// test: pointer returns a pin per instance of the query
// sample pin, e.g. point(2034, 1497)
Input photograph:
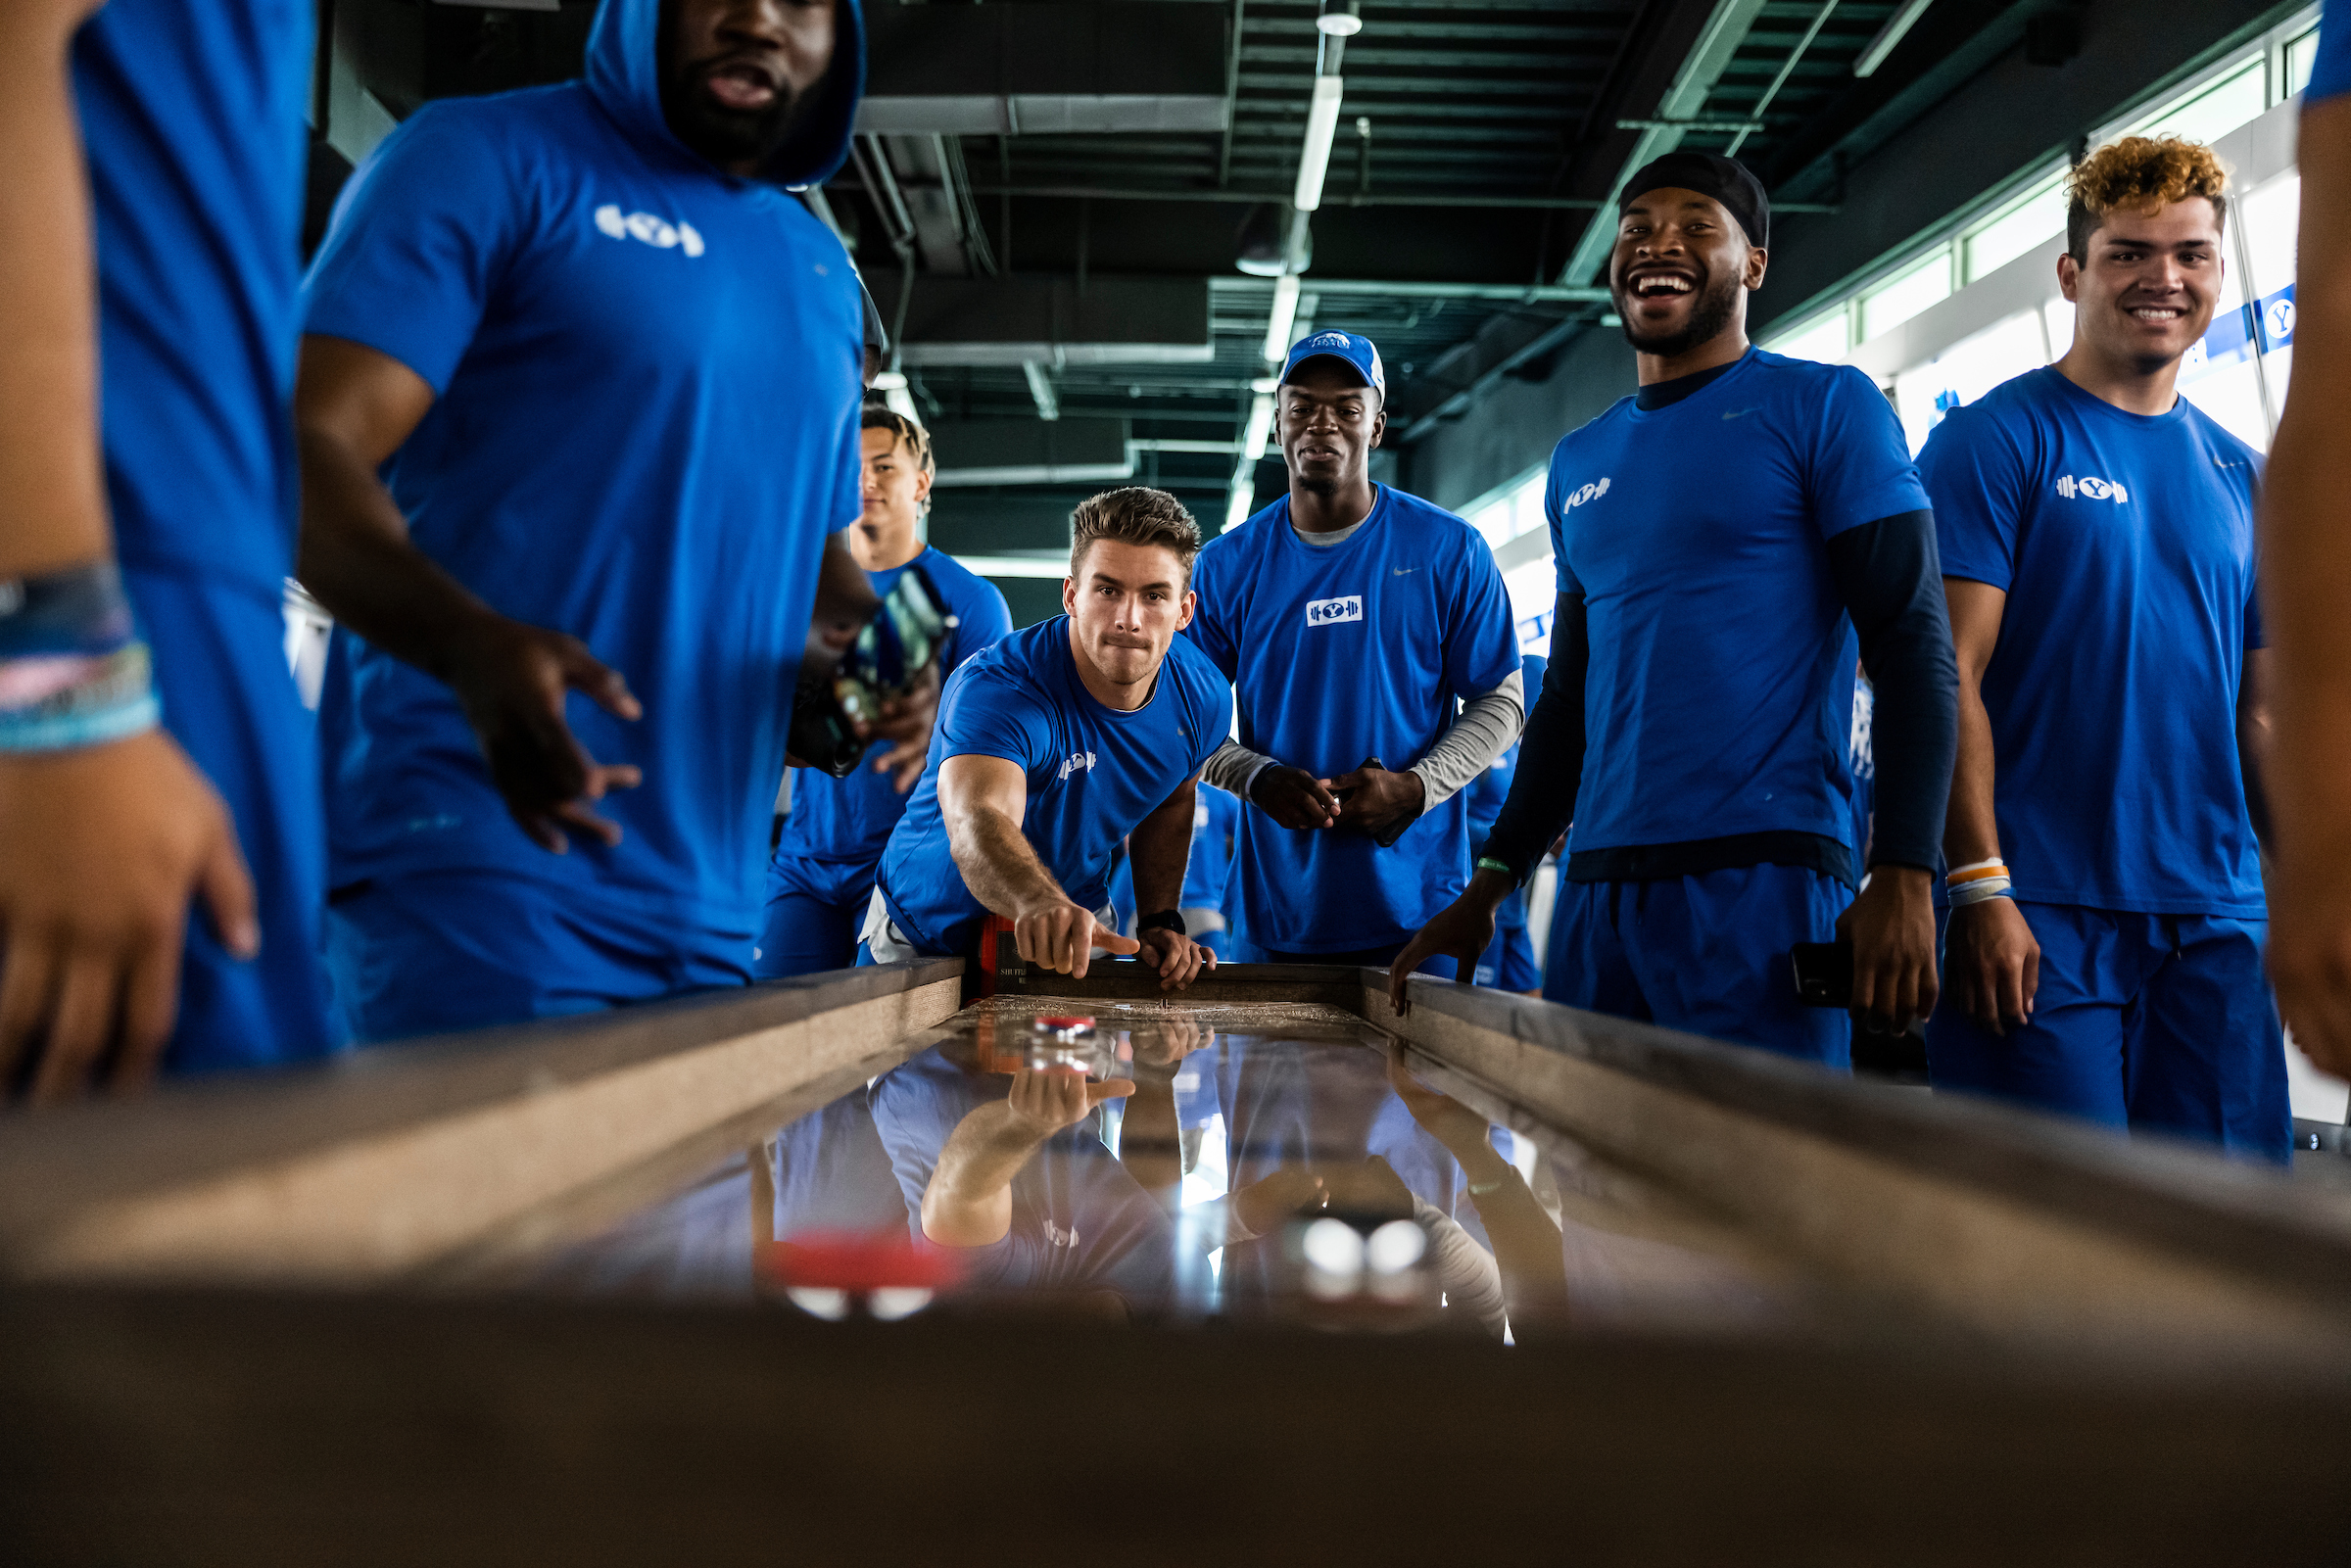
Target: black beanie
point(1726, 179)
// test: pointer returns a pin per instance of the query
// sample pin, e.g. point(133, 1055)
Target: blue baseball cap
point(1359, 353)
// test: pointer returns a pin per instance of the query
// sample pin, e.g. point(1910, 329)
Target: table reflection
point(1162, 1162)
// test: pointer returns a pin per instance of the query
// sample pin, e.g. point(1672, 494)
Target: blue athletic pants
point(229, 700)
point(1509, 962)
point(2157, 1021)
point(435, 951)
point(1708, 954)
point(815, 909)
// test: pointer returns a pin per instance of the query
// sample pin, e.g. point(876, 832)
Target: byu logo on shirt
point(1330, 611)
point(654, 231)
point(1079, 762)
point(1589, 493)
point(2093, 489)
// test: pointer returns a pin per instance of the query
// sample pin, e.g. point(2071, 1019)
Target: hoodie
point(648, 376)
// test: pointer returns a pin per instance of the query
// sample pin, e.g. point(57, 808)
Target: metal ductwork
point(1022, 318)
point(1015, 70)
point(1030, 452)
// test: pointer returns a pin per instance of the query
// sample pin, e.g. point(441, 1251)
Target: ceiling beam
point(1702, 67)
point(1045, 65)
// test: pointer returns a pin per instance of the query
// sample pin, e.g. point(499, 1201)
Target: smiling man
point(578, 409)
point(2098, 553)
point(1353, 620)
point(1722, 538)
point(1054, 744)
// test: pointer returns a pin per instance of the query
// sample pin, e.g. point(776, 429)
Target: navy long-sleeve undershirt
point(1890, 577)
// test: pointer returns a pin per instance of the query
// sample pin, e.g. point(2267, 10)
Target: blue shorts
point(435, 951)
point(1707, 954)
point(2157, 1021)
point(815, 909)
point(229, 700)
point(1509, 962)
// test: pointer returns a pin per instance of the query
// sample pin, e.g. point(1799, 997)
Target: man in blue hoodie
point(153, 753)
point(577, 411)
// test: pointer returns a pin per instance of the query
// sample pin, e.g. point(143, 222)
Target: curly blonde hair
point(2139, 174)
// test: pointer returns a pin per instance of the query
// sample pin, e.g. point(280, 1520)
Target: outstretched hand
point(512, 680)
point(1462, 930)
point(1044, 1101)
point(1062, 937)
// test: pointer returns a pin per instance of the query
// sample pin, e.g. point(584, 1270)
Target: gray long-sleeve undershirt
point(1481, 732)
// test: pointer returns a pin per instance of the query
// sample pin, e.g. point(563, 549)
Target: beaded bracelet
point(73, 671)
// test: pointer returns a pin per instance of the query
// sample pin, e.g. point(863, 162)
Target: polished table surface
point(1270, 1161)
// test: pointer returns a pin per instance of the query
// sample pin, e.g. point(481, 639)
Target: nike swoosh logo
point(1737, 413)
point(1406, 571)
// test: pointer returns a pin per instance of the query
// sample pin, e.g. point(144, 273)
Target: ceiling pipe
point(1786, 69)
point(1335, 22)
point(1898, 27)
point(1702, 67)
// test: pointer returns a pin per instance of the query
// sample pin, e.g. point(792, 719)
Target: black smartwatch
point(1167, 919)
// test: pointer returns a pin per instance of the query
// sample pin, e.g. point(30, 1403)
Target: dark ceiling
point(1477, 141)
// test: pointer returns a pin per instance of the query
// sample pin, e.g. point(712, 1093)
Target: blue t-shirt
point(1719, 698)
point(849, 820)
point(192, 119)
point(2330, 72)
point(1093, 771)
point(1340, 653)
point(1079, 1220)
point(2126, 546)
point(647, 377)
point(1215, 824)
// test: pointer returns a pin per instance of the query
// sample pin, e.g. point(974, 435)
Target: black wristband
point(1167, 919)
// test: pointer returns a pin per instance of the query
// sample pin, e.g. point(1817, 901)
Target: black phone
point(1824, 973)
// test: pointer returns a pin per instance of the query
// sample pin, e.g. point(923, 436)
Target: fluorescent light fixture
point(1261, 426)
point(1253, 447)
point(1265, 383)
point(1340, 18)
point(890, 381)
point(1897, 27)
point(1284, 317)
point(1038, 565)
point(1041, 390)
point(1322, 126)
point(1237, 508)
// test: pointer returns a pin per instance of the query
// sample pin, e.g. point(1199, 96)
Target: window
point(1502, 515)
point(2036, 221)
point(2237, 99)
point(2301, 54)
point(1905, 295)
point(1534, 589)
point(1826, 337)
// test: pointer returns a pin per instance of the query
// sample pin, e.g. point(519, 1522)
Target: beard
point(725, 136)
point(730, 136)
point(1716, 300)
